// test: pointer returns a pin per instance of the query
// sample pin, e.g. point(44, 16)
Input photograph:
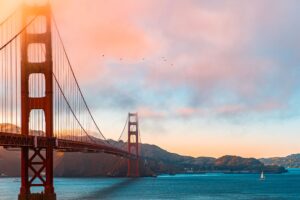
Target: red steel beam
point(14, 140)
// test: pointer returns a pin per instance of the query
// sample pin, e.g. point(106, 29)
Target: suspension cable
point(10, 16)
point(123, 129)
point(15, 36)
point(126, 122)
point(60, 89)
point(72, 71)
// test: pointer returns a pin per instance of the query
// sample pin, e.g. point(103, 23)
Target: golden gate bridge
point(42, 105)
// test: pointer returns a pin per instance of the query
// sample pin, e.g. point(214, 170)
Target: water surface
point(202, 187)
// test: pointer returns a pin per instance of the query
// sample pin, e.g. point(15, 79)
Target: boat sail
point(262, 176)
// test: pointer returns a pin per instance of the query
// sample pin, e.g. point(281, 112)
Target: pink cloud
point(206, 44)
point(146, 112)
point(91, 29)
point(186, 111)
point(270, 106)
point(211, 48)
point(228, 109)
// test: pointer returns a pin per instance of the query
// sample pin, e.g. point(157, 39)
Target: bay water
point(182, 186)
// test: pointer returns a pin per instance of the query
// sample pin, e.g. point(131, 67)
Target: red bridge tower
point(37, 163)
point(133, 145)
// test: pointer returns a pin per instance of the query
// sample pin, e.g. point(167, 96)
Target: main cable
point(72, 71)
point(15, 36)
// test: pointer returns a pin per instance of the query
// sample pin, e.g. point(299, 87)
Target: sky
point(207, 77)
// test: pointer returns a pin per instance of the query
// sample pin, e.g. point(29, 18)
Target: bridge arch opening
point(37, 85)
point(133, 138)
point(133, 128)
point(37, 122)
point(36, 53)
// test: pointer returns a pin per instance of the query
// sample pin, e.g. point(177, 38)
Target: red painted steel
point(133, 145)
point(12, 140)
point(29, 104)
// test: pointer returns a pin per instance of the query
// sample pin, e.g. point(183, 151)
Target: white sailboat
point(262, 176)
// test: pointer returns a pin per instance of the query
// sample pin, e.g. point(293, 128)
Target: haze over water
point(200, 187)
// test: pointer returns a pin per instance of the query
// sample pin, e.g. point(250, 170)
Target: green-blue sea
point(202, 186)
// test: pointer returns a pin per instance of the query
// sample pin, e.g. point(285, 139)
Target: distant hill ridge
point(291, 161)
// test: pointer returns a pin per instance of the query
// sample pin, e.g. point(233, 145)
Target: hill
point(291, 161)
point(161, 161)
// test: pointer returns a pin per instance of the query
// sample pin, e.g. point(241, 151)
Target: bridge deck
point(17, 140)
